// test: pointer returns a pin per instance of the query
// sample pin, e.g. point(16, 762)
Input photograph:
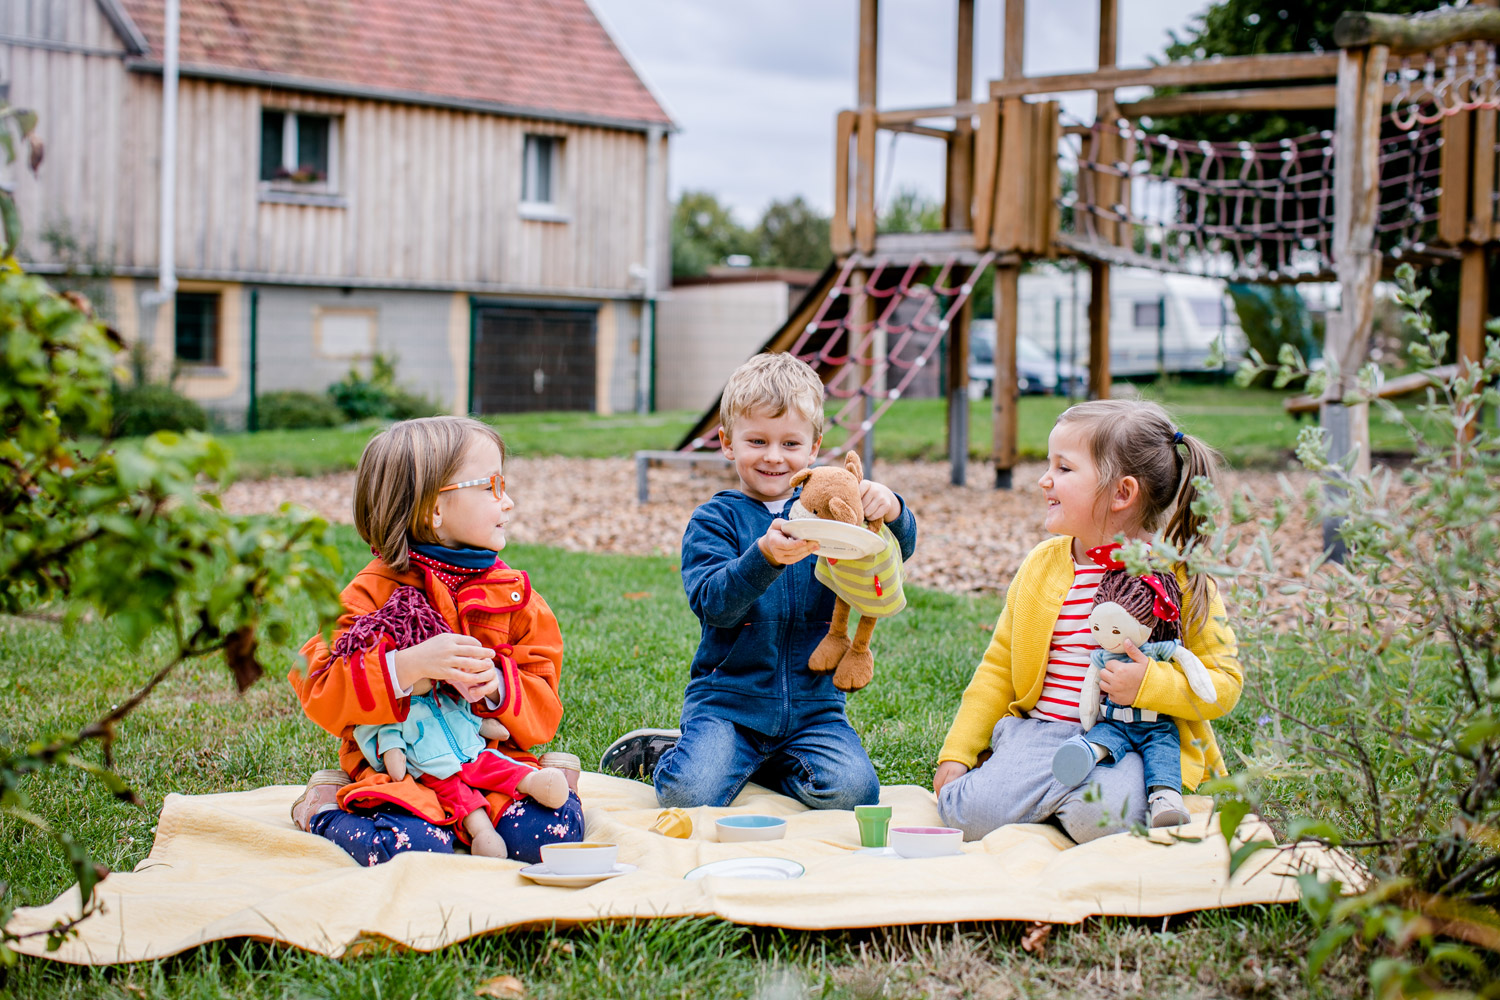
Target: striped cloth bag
point(872, 585)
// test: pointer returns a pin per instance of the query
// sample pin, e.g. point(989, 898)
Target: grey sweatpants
point(1016, 786)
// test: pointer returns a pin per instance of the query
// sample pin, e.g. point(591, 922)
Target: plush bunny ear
point(854, 465)
point(801, 478)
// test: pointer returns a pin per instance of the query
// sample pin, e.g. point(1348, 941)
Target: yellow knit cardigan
point(1008, 681)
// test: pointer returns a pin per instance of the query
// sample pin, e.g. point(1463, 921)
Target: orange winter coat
point(498, 608)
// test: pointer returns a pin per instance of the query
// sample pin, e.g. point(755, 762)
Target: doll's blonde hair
point(772, 384)
point(1136, 437)
point(400, 471)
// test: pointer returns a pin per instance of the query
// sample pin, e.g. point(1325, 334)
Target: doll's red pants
point(460, 794)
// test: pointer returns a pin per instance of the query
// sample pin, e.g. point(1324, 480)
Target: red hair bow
point(1104, 555)
point(1162, 607)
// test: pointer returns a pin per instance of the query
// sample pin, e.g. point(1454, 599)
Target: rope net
point(1243, 211)
point(871, 337)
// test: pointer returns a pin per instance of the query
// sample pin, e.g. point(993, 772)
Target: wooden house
point(477, 187)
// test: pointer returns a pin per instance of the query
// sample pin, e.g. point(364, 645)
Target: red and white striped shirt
point(1068, 655)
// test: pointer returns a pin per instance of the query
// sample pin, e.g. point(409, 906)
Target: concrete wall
point(704, 332)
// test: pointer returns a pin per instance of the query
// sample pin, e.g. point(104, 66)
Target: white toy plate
point(836, 538)
point(542, 875)
point(759, 868)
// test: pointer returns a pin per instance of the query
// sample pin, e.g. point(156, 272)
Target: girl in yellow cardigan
point(1114, 467)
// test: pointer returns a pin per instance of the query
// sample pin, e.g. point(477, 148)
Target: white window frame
point(553, 209)
point(330, 184)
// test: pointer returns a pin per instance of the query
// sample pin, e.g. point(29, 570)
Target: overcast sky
point(754, 86)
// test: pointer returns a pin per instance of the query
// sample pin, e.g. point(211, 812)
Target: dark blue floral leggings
point(375, 837)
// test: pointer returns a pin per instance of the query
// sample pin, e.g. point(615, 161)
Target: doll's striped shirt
point(1068, 654)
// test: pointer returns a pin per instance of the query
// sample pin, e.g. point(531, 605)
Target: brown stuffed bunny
point(872, 585)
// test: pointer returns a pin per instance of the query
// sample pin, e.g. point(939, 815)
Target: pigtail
point(1186, 529)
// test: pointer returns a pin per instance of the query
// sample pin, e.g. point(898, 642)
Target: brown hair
point(1134, 437)
point(773, 384)
point(396, 484)
point(1139, 600)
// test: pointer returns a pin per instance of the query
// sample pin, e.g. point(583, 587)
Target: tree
point(130, 531)
point(911, 211)
point(792, 234)
point(704, 233)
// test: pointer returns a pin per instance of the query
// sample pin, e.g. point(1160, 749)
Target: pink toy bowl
point(926, 841)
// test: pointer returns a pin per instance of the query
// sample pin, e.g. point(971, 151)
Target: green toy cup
point(874, 822)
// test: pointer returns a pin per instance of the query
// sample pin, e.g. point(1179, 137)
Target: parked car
point(1037, 371)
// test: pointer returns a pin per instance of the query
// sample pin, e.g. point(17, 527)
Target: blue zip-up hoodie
point(761, 622)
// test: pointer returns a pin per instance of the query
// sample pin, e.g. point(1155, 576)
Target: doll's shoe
point(1073, 761)
point(322, 792)
point(1167, 808)
point(635, 754)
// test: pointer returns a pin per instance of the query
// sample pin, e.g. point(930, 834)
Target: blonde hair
point(773, 384)
point(1134, 437)
point(400, 471)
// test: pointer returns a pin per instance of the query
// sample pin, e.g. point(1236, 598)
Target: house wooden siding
point(426, 197)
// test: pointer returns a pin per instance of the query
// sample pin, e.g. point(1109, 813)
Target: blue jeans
point(374, 838)
point(1157, 743)
point(823, 765)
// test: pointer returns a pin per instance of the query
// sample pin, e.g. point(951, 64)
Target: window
point(297, 148)
point(539, 170)
point(197, 339)
point(1148, 314)
point(1208, 312)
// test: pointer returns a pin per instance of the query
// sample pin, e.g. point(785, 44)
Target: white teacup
point(579, 859)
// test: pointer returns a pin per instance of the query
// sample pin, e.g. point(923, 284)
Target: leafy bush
point(1389, 746)
point(149, 407)
point(293, 409)
point(379, 396)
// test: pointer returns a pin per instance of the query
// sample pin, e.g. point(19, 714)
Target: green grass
point(626, 666)
point(1247, 425)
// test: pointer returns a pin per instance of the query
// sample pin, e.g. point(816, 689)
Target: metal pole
point(252, 418)
point(1161, 338)
point(1057, 387)
point(1073, 345)
point(167, 269)
point(646, 358)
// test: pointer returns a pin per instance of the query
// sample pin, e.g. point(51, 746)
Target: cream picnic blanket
point(233, 865)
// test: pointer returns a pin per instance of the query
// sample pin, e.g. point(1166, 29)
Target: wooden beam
point(1013, 66)
point(840, 235)
point(1214, 101)
point(1482, 179)
point(1473, 303)
point(1099, 378)
point(864, 160)
point(1005, 393)
point(1225, 69)
point(986, 163)
point(960, 109)
point(932, 132)
point(1109, 34)
point(1418, 33)
point(1453, 205)
point(1010, 190)
point(958, 206)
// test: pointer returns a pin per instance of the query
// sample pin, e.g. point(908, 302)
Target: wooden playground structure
point(1408, 173)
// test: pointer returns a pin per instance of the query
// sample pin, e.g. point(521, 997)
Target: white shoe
point(1167, 808)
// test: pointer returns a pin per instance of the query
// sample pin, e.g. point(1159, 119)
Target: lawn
point(1247, 425)
point(630, 636)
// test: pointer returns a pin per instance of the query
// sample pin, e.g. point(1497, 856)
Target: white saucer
point(757, 868)
point(836, 538)
point(878, 852)
point(542, 875)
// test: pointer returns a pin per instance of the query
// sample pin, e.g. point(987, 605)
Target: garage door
point(533, 358)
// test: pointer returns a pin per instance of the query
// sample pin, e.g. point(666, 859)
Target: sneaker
point(1073, 761)
point(635, 754)
point(1167, 808)
point(322, 792)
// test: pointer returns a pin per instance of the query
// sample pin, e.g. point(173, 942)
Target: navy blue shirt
point(761, 622)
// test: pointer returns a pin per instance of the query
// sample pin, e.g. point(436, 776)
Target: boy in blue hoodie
point(753, 710)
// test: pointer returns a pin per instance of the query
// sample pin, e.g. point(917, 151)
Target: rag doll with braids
point(1146, 611)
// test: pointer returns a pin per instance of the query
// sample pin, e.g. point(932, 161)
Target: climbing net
point(1238, 210)
point(877, 328)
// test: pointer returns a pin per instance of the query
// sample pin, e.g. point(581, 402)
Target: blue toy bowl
point(733, 829)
